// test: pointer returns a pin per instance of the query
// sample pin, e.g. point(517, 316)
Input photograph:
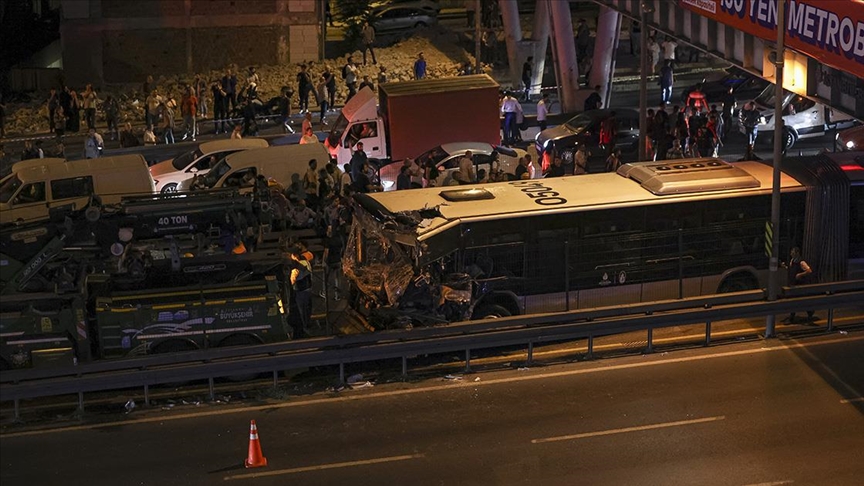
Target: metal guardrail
point(515, 330)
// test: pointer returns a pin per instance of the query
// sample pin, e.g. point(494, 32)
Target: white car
point(447, 156)
point(168, 174)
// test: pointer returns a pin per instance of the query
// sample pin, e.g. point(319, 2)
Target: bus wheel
point(174, 346)
point(491, 312)
point(737, 283)
point(240, 340)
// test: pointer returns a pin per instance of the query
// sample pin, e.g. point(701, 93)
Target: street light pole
point(779, 142)
point(645, 9)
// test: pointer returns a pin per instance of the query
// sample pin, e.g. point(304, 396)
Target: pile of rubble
point(443, 55)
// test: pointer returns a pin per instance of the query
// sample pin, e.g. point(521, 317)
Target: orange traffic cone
point(255, 458)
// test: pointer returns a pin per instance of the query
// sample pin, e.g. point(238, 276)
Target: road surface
point(768, 412)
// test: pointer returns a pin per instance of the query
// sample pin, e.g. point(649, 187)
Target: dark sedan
point(584, 128)
point(745, 86)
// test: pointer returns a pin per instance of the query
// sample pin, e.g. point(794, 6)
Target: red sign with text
point(831, 31)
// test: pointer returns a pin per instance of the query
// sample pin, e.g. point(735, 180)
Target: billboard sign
point(829, 31)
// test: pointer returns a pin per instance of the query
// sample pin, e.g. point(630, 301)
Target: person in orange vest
point(696, 99)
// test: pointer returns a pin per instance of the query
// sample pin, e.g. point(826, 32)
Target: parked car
point(168, 174)
point(399, 18)
point(584, 128)
point(802, 117)
point(427, 5)
point(447, 156)
point(745, 86)
point(850, 140)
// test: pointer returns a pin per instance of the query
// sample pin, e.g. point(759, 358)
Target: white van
point(168, 174)
point(802, 117)
point(34, 188)
point(276, 163)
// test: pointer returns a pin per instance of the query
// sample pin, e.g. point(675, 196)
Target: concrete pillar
point(512, 36)
point(605, 47)
point(540, 36)
point(565, 50)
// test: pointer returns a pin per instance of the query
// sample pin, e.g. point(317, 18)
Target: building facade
point(117, 41)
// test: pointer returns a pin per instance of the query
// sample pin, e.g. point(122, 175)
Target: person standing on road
point(167, 125)
point(465, 174)
point(321, 90)
point(635, 32)
point(89, 100)
point(594, 101)
point(301, 286)
point(151, 105)
point(750, 120)
point(304, 86)
point(382, 75)
point(509, 108)
point(583, 39)
point(53, 103)
point(93, 145)
point(543, 111)
point(368, 41)
point(799, 273)
point(358, 161)
point(420, 67)
point(729, 104)
point(128, 137)
point(667, 79)
point(526, 78)
point(654, 50)
point(220, 103)
point(669, 47)
point(112, 115)
point(285, 110)
point(73, 114)
point(349, 74)
point(229, 86)
point(330, 81)
point(188, 109)
point(696, 99)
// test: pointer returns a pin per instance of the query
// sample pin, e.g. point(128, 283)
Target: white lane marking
point(853, 400)
point(412, 391)
point(628, 429)
point(322, 467)
point(773, 483)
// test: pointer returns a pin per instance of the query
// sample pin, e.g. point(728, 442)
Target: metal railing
point(517, 330)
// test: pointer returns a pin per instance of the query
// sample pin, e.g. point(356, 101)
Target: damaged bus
point(650, 231)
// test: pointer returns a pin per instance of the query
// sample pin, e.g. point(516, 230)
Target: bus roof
point(573, 193)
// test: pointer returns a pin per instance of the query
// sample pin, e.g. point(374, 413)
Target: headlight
point(546, 144)
point(850, 145)
point(763, 120)
point(387, 184)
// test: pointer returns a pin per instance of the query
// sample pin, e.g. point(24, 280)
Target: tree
point(354, 14)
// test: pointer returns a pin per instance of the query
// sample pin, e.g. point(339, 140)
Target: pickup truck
point(408, 118)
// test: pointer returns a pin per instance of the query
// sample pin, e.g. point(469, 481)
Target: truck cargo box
point(421, 114)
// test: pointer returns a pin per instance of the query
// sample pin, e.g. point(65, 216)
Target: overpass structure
point(824, 55)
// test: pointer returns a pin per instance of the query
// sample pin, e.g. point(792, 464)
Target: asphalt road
point(770, 412)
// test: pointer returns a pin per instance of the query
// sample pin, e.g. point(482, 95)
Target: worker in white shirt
point(510, 109)
point(542, 111)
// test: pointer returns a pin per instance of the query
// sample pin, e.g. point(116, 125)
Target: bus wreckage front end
point(396, 282)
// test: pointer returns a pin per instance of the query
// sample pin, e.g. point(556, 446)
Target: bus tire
point(740, 282)
point(491, 311)
point(241, 340)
